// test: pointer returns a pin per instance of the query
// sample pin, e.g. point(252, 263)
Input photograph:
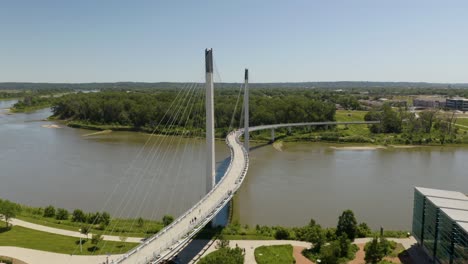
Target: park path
point(251, 245)
point(58, 231)
point(300, 259)
point(32, 256)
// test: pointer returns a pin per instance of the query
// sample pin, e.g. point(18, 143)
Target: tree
point(49, 211)
point(93, 218)
point(329, 254)
point(374, 253)
point(281, 233)
point(167, 220)
point(105, 219)
point(427, 117)
point(9, 210)
point(347, 224)
point(363, 230)
point(390, 120)
point(62, 214)
point(78, 216)
point(345, 245)
point(95, 240)
point(222, 243)
point(140, 222)
point(85, 230)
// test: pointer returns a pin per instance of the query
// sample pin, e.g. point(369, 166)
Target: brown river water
point(74, 168)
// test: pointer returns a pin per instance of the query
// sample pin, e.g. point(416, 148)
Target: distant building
point(429, 102)
point(440, 224)
point(457, 103)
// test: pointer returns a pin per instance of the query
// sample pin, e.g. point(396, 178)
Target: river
point(73, 168)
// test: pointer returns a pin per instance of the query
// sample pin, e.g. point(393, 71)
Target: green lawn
point(127, 227)
point(280, 254)
point(345, 115)
point(27, 238)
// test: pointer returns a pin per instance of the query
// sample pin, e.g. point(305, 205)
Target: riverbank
point(28, 109)
point(338, 136)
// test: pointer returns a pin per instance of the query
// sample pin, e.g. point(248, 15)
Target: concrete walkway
point(17, 222)
point(32, 256)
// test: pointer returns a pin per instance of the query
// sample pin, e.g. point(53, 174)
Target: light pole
point(81, 245)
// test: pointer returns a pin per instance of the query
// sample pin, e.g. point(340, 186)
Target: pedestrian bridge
point(176, 236)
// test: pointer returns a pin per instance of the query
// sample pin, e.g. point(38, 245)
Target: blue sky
point(279, 41)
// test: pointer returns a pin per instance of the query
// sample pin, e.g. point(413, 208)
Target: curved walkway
point(64, 232)
point(175, 236)
point(32, 256)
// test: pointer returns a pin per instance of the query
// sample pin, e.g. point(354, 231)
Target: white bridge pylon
point(174, 237)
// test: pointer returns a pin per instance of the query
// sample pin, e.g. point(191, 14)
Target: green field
point(117, 227)
point(280, 254)
point(346, 116)
point(27, 238)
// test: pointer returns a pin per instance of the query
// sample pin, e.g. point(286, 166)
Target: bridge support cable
point(137, 157)
point(168, 129)
point(231, 124)
point(179, 135)
point(181, 163)
point(172, 161)
point(195, 152)
point(136, 179)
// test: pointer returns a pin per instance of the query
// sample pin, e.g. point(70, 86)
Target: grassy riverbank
point(353, 134)
point(27, 238)
point(29, 109)
point(116, 226)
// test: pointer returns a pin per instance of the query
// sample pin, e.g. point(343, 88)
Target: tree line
point(143, 109)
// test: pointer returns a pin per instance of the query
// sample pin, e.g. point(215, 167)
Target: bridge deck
point(182, 229)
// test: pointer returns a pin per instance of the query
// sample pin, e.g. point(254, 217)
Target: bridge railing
point(190, 231)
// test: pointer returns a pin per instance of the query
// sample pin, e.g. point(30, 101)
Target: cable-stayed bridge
point(174, 237)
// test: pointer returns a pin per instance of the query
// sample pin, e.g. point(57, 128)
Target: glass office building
point(440, 224)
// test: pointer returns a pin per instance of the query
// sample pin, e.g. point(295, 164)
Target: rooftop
point(456, 215)
point(441, 193)
point(449, 203)
point(453, 204)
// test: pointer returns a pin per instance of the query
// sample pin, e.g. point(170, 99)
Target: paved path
point(300, 259)
point(64, 232)
point(32, 256)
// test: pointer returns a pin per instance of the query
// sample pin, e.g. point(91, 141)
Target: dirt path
point(359, 255)
point(300, 259)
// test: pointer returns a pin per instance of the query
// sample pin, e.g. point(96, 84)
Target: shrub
point(62, 214)
point(281, 233)
point(167, 220)
point(49, 211)
point(78, 216)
